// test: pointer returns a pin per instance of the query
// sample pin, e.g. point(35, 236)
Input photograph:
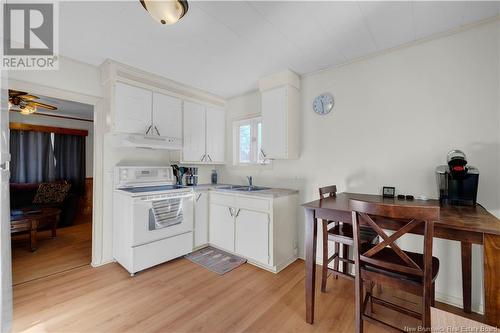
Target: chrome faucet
point(250, 181)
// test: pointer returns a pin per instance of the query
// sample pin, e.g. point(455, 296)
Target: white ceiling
point(67, 108)
point(225, 47)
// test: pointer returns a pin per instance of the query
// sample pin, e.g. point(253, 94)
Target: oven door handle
point(149, 201)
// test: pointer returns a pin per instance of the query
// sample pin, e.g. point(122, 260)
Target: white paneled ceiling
point(225, 47)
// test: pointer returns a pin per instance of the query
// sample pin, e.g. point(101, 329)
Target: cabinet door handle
point(230, 211)
point(237, 213)
point(209, 157)
point(262, 153)
point(157, 132)
point(198, 197)
point(203, 157)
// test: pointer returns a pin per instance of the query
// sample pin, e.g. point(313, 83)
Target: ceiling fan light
point(166, 11)
point(28, 109)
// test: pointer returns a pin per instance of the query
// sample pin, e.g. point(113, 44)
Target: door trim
point(98, 175)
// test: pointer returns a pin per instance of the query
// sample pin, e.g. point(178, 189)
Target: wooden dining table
point(466, 224)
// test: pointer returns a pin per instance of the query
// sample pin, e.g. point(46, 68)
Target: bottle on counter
point(214, 176)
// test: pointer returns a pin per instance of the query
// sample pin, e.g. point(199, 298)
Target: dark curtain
point(32, 159)
point(69, 151)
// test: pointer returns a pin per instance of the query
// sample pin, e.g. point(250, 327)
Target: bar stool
point(339, 233)
point(386, 263)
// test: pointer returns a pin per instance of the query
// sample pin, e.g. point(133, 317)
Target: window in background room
point(248, 141)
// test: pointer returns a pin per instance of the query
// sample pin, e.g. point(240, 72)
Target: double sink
point(242, 188)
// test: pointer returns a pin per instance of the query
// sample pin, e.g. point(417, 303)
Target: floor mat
point(215, 260)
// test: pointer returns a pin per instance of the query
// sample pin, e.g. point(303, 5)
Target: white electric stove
point(152, 217)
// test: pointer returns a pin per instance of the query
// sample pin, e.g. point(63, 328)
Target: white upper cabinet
point(167, 115)
point(136, 109)
point(280, 98)
point(194, 132)
point(132, 109)
point(274, 123)
point(204, 133)
point(198, 128)
point(216, 135)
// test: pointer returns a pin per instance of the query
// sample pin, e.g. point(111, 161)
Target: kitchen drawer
point(151, 254)
point(252, 203)
point(223, 199)
point(236, 201)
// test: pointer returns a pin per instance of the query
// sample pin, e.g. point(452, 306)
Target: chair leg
point(369, 290)
point(336, 260)
point(359, 304)
point(433, 295)
point(426, 307)
point(324, 268)
point(345, 255)
point(371, 298)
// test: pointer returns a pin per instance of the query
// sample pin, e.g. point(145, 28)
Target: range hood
point(147, 141)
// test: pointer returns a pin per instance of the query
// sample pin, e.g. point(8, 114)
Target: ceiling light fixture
point(166, 11)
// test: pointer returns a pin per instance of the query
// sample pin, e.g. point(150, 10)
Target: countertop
point(268, 193)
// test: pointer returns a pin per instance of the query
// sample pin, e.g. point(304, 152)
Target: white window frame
point(256, 157)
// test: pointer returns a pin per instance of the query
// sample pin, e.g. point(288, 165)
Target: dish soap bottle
point(214, 176)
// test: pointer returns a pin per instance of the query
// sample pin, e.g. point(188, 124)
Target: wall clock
point(323, 104)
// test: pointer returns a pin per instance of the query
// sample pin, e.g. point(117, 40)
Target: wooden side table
point(30, 222)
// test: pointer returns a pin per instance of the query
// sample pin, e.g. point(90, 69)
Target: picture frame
point(388, 192)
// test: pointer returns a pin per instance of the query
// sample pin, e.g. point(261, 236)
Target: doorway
point(51, 187)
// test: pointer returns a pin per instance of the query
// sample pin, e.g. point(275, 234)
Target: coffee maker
point(191, 176)
point(457, 181)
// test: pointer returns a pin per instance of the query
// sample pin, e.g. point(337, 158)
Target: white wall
point(72, 76)
point(395, 118)
point(65, 123)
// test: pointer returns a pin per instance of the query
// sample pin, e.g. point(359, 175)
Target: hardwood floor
point(180, 296)
point(72, 248)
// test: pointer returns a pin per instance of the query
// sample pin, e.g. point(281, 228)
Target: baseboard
point(458, 302)
point(200, 247)
point(285, 263)
point(93, 264)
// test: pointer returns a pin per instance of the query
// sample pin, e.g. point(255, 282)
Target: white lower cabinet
point(262, 230)
point(200, 218)
point(222, 227)
point(252, 235)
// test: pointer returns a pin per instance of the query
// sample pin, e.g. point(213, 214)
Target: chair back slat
point(327, 191)
point(409, 218)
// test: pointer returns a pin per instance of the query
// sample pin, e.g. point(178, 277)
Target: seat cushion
point(51, 193)
point(389, 255)
point(344, 231)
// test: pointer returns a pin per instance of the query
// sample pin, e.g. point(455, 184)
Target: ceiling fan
point(25, 103)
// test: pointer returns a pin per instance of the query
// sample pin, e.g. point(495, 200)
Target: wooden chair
point(386, 264)
point(339, 233)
